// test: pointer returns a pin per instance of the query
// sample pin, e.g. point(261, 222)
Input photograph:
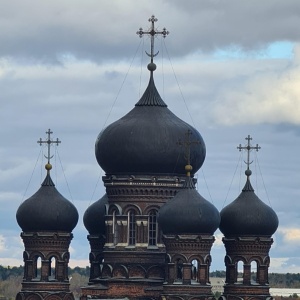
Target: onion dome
point(188, 213)
point(47, 210)
point(94, 217)
point(248, 215)
point(145, 141)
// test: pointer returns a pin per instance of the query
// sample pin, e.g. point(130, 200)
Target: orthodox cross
point(152, 32)
point(248, 147)
point(48, 141)
point(188, 143)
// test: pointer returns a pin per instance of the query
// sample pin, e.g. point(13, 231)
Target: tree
point(76, 282)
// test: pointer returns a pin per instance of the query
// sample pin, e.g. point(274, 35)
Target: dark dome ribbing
point(151, 96)
point(188, 213)
point(94, 217)
point(47, 210)
point(248, 216)
point(145, 141)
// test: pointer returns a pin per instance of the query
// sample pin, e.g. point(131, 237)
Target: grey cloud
point(45, 31)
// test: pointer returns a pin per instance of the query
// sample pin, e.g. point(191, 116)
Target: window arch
point(152, 228)
point(131, 227)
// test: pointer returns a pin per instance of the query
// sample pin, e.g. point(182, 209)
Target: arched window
point(254, 278)
point(179, 269)
point(131, 228)
point(152, 228)
point(239, 271)
point(52, 267)
point(115, 228)
point(194, 270)
point(37, 267)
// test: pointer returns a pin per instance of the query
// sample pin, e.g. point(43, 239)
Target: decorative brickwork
point(128, 262)
point(248, 251)
point(188, 267)
point(46, 259)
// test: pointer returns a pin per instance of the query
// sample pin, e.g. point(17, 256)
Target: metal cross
point(152, 32)
point(248, 147)
point(49, 142)
point(188, 143)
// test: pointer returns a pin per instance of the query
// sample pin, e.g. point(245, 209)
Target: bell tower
point(248, 225)
point(47, 220)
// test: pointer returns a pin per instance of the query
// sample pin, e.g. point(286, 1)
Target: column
point(186, 273)
point(171, 273)
point(247, 274)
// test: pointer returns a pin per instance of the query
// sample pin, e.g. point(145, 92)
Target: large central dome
point(146, 140)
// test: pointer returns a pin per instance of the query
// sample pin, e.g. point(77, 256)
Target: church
point(151, 234)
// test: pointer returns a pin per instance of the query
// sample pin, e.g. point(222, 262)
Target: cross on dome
point(188, 143)
point(48, 141)
point(152, 32)
point(248, 147)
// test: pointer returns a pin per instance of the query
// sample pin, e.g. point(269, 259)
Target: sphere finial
point(48, 167)
point(188, 169)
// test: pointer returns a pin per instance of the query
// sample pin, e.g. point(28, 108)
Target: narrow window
point(152, 229)
point(131, 228)
point(239, 272)
point(52, 267)
point(37, 267)
point(254, 274)
point(115, 228)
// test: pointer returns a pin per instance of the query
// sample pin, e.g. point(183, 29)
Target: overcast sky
point(230, 68)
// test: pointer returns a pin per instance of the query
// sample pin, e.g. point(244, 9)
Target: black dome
point(248, 216)
point(145, 141)
point(94, 217)
point(188, 213)
point(47, 210)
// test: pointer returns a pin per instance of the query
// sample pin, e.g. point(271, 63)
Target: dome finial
point(248, 147)
point(48, 141)
point(152, 32)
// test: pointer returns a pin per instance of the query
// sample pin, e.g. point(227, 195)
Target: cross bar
point(48, 141)
point(188, 143)
point(248, 147)
point(152, 32)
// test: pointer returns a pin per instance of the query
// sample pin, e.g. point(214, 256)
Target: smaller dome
point(47, 210)
point(188, 213)
point(248, 216)
point(94, 217)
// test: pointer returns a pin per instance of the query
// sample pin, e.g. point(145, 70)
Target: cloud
point(2, 242)
point(63, 64)
point(290, 235)
point(93, 30)
point(264, 96)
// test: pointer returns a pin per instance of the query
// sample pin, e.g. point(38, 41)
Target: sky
point(229, 68)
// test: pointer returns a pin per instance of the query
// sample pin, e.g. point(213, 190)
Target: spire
point(248, 172)
point(151, 96)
